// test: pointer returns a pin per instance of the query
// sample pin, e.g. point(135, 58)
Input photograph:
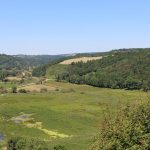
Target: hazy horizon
point(73, 53)
point(64, 27)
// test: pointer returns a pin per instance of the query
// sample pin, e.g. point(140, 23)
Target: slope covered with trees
point(124, 68)
point(129, 130)
point(10, 65)
point(13, 65)
point(37, 60)
point(9, 62)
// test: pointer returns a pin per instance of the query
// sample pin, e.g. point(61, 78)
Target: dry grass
point(54, 134)
point(37, 87)
point(83, 59)
point(13, 78)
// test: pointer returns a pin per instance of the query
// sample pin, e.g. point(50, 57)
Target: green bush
point(26, 144)
point(59, 147)
point(14, 89)
point(22, 91)
point(130, 130)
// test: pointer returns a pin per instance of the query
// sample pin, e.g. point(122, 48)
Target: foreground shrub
point(59, 147)
point(130, 130)
point(14, 89)
point(22, 91)
point(26, 144)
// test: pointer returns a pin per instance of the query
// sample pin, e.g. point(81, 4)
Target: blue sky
point(70, 26)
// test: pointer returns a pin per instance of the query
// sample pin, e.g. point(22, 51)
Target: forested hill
point(9, 62)
point(37, 60)
point(124, 68)
point(17, 61)
point(13, 65)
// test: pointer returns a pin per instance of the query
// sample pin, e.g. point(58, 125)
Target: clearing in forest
point(83, 59)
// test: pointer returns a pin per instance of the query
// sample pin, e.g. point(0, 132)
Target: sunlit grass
point(71, 110)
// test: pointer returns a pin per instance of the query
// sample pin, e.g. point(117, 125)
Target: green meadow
point(72, 110)
point(7, 84)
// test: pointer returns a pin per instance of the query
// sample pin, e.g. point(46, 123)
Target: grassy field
point(72, 110)
point(7, 84)
point(83, 59)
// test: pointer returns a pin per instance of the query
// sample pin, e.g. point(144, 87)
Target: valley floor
point(74, 111)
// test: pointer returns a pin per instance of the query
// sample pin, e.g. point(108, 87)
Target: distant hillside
point(10, 65)
point(58, 66)
point(123, 68)
point(8, 62)
point(50, 67)
point(19, 61)
point(36, 60)
point(13, 65)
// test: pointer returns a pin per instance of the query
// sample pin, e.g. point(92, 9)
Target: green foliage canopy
point(130, 130)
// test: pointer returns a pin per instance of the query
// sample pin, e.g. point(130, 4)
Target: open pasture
point(83, 59)
point(74, 111)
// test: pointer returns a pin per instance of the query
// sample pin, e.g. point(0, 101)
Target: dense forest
point(123, 68)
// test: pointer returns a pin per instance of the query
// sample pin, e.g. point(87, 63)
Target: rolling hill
point(19, 61)
point(12, 65)
point(124, 68)
point(37, 60)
